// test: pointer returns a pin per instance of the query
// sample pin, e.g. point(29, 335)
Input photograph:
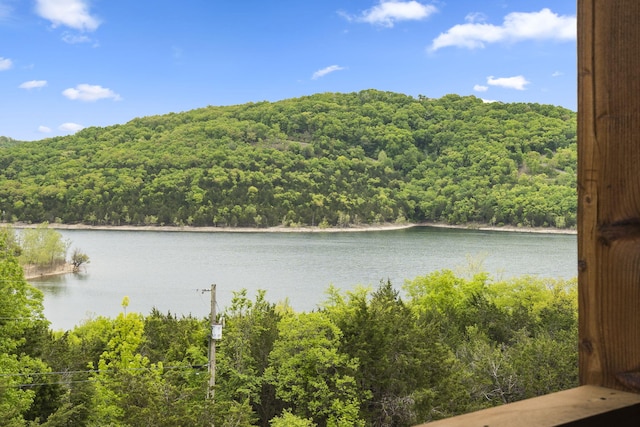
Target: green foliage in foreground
point(328, 159)
point(364, 358)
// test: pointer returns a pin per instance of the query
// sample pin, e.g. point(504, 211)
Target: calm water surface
point(168, 270)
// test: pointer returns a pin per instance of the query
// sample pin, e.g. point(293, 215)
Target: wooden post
point(609, 192)
point(212, 346)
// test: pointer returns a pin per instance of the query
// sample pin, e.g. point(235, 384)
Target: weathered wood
point(609, 191)
point(584, 406)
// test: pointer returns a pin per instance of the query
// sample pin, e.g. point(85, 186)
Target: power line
point(40, 384)
point(94, 371)
point(81, 372)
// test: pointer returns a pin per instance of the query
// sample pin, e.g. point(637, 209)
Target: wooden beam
point(586, 406)
point(609, 192)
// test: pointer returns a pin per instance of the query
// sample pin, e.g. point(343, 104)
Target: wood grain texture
point(609, 190)
point(582, 406)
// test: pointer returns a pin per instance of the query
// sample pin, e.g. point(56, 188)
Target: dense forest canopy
point(328, 159)
point(7, 142)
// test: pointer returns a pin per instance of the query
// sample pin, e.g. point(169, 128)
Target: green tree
point(404, 367)
point(242, 356)
point(446, 298)
point(43, 246)
point(20, 312)
point(490, 377)
point(287, 419)
point(311, 376)
point(10, 243)
point(132, 390)
point(79, 258)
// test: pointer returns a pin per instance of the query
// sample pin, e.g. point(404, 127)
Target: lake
point(170, 270)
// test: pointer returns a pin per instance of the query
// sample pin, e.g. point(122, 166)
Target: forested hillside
point(328, 159)
point(7, 142)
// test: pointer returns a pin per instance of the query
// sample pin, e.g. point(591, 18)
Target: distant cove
point(169, 270)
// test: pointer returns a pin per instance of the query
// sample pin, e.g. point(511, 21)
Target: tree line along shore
point(302, 229)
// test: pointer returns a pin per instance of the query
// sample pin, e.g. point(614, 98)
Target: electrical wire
point(93, 371)
point(24, 385)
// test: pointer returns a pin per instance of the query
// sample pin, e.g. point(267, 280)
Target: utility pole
point(215, 333)
point(212, 346)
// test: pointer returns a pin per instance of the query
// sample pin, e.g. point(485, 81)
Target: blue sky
point(69, 64)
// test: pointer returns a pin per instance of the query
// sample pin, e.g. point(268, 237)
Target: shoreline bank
point(303, 229)
point(504, 228)
point(31, 272)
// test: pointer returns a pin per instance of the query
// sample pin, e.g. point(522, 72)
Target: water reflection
point(51, 285)
point(59, 284)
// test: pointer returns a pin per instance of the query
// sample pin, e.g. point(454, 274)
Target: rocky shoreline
point(302, 229)
point(33, 272)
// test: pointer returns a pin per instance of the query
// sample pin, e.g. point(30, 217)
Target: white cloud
point(70, 127)
point(557, 74)
point(489, 101)
point(44, 129)
point(33, 84)
point(387, 13)
point(75, 38)
point(475, 17)
point(85, 92)
point(480, 88)
point(516, 82)
point(70, 13)
point(325, 71)
point(517, 26)
point(5, 63)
